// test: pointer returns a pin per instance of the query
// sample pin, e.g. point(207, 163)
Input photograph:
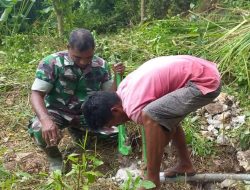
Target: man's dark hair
point(81, 39)
point(97, 109)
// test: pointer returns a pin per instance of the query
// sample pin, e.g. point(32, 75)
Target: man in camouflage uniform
point(63, 81)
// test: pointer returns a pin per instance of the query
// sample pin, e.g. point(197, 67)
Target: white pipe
point(206, 177)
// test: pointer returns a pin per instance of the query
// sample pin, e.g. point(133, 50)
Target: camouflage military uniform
point(66, 87)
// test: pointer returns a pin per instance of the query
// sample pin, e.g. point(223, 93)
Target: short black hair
point(97, 109)
point(81, 39)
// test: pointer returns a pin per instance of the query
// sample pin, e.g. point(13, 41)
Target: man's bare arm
point(50, 132)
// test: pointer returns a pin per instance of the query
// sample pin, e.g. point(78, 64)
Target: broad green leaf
point(147, 184)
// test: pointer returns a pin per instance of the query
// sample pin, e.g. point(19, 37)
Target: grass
point(200, 145)
point(231, 52)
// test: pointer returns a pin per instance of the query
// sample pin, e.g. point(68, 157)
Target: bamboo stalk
point(206, 177)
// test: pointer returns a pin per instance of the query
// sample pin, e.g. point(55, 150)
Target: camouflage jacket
point(66, 85)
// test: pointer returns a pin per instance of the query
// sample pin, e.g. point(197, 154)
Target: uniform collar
point(69, 61)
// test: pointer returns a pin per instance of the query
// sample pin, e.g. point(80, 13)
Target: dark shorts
point(172, 108)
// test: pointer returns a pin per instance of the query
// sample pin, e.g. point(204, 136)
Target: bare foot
point(180, 170)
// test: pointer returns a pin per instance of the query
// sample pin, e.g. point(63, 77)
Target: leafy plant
point(199, 144)
point(245, 139)
point(14, 15)
point(56, 181)
point(135, 183)
point(8, 183)
point(9, 180)
point(82, 174)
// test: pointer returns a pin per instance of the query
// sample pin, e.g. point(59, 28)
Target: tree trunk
point(60, 25)
point(59, 17)
point(142, 10)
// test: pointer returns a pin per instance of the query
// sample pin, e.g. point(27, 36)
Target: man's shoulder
point(98, 62)
point(56, 58)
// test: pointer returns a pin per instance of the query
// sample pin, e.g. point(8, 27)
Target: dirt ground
point(22, 154)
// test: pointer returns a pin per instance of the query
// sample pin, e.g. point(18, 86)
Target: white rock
point(122, 174)
point(244, 159)
point(225, 107)
point(210, 128)
point(215, 132)
point(238, 121)
point(222, 97)
point(224, 116)
point(222, 139)
point(228, 183)
point(212, 120)
point(203, 127)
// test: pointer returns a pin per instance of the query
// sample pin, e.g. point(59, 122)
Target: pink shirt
point(162, 75)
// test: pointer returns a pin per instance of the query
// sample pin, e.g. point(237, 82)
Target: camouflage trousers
point(75, 127)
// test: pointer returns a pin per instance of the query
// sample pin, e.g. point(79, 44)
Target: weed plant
point(134, 183)
point(20, 56)
point(82, 174)
point(200, 145)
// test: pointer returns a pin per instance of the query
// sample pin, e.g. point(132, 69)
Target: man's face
point(81, 58)
point(115, 121)
point(118, 117)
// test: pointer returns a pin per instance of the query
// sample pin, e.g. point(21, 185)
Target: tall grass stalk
point(232, 53)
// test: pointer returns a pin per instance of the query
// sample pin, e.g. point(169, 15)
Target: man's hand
point(118, 68)
point(50, 132)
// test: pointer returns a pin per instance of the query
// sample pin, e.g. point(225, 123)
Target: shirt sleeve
point(106, 86)
point(104, 68)
point(45, 75)
point(41, 85)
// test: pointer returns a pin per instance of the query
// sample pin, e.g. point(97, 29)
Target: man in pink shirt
point(158, 95)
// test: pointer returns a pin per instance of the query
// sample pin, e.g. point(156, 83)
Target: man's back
point(162, 75)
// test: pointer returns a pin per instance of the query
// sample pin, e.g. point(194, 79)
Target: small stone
point(210, 128)
point(222, 97)
point(6, 139)
point(215, 132)
point(210, 186)
point(228, 183)
point(214, 122)
point(222, 139)
point(20, 156)
point(205, 133)
point(244, 159)
point(225, 107)
point(214, 108)
point(224, 116)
